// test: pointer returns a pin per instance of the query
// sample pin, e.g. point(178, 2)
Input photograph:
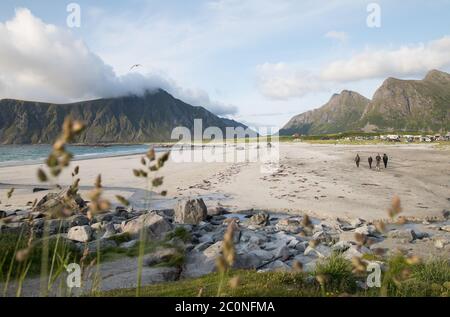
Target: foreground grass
point(401, 280)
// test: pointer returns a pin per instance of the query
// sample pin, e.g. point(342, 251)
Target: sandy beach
point(318, 179)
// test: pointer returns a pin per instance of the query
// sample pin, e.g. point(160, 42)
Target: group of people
point(378, 159)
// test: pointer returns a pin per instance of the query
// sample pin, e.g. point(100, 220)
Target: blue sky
point(258, 61)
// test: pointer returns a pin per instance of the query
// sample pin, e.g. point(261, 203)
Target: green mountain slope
point(407, 105)
point(130, 119)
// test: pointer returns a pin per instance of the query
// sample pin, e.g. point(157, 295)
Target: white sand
point(318, 179)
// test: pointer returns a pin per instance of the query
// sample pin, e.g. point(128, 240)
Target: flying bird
point(135, 66)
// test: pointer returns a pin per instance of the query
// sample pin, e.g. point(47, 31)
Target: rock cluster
point(263, 241)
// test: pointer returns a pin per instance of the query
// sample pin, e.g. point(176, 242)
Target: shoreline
point(320, 180)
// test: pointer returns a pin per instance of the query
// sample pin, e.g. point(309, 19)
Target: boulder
point(191, 211)
point(405, 234)
point(341, 246)
point(356, 252)
point(445, 228)
point(110, 231)
point(78, 220)
point(128, 244)
point(253, 259)
point(276, 266)
point(357, 222)
point(197, 264)
point(80, 233)
point(160, 256)
point(213, 251)
point(324, 237)
point(366, 230)
point(289, 225)
point(62, 203)
point(98, 245)
point(14, 228)
point(320, 251)
point(217, 211)
point(153, 224)
point(260, 220)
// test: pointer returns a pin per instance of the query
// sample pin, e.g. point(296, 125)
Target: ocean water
point(29, 154)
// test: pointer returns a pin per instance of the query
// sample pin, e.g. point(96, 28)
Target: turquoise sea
point(29, 154)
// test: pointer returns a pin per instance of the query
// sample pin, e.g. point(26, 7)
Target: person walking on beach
point(357, 160)
point(385, 160)
point(378, 159)
point(370, 159)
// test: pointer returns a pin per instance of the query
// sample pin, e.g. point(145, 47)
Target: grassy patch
point(276, 284)
point(59, 252)
point(180, 233)
point(337, 273)
point(401, 279)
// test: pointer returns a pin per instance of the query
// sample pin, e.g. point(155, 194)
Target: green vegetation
point(401, 279)
point(337, 273)
point(179, 233)
point(11, 244)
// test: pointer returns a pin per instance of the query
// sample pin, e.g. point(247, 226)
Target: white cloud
point(288, 80)
point(339, 36)
point(42, 62)
point(284, 81)
point(404, 61)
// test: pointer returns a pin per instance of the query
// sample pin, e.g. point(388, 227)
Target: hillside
point(408, 105)
point(129, 119)
point(341, 113)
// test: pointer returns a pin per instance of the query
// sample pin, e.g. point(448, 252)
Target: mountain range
point(397, 105)
point(128, 119)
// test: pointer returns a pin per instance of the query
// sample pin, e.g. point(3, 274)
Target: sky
point(257, 61)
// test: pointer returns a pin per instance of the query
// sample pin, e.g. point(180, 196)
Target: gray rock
point(356, 251)
point(253, 237)
point(341, 246)
point(104, 217)
point(283, 253)
point(217, 211)
point(289, 225)
point(324, 237)
point(80, 233)
point(260, 219)
point(197, 264)
point(213, 251)
point(98, 246)
point(190, 211)
point(98, 226)
point(445, 228)
point(320, 251)
point(160, 256)
point(357, 222)
point(153, 224)
point(405, 234)
point(14, 228)
point(129, 244)
point(203, 246)
point(59, 203)
point(110, 231)
point(149, 276)
point(276, 266)
point(78, 220)
point(253, 259)
point(366, 230)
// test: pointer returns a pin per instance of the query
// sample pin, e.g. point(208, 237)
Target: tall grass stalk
point(11, 264)
point(44, 261)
